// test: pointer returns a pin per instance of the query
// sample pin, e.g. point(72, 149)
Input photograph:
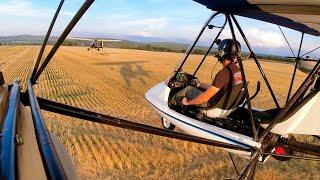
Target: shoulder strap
point(229, 88)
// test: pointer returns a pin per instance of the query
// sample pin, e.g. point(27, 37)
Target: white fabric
point(217, 113)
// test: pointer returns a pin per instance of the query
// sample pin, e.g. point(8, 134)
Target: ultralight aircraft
point(97, 43)
point(251, 133)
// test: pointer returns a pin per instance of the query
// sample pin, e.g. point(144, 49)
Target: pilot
point(226, 78)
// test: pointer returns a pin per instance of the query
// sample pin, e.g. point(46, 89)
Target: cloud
point(122, 24)
point(22, 8)
point(266, 39)
point(258, 38)
point(148, 27)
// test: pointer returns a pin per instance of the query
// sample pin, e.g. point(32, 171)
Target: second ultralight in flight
point(97, 43)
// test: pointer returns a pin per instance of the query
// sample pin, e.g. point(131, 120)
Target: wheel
point(167, 125)
point(284, 151)
point(98, 49)
point(88, 49)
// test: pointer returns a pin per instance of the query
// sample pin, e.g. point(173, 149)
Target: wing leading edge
point(299, 15)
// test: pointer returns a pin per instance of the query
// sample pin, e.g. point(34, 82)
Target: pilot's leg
point(189, 92)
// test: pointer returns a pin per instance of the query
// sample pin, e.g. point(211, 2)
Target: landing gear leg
point(167, 125)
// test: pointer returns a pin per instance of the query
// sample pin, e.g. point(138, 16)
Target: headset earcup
point(221, 54)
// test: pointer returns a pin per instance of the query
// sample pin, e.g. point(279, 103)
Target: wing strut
point(8, 145)
point(45, 41)
point(249, 170)
point(50, 158)
point(122, 123)
point(62, 37)
point(284, 36)
point(310, 51)
point(297, 59)
point(234, 165)
point(257, 62)
point(254, 130)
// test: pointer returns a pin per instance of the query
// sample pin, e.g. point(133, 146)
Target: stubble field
point(113, 82)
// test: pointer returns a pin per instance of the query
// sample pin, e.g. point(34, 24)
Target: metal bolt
point(19, 140)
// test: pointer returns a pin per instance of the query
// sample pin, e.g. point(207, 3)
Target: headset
point(227, 49)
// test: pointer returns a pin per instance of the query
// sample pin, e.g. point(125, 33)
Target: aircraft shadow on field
point(119, 63)
point(106, 54)
point(129, 71)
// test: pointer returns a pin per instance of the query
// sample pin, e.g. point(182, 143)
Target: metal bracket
point(19, 140)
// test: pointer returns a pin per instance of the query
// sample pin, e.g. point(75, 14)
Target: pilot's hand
point(195, 82)
point(235, 61)
point(185, 101)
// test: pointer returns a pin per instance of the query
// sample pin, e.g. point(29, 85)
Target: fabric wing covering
point(299, 15)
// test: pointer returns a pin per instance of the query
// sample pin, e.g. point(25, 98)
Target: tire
point(287, 152)
point(167, 125)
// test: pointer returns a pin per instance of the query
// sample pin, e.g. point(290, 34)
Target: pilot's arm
point(202, 98)
point(204, 86)
point(219, 82)
point(199, 84)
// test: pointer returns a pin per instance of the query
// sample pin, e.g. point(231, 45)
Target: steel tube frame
point(45, 142)
point(287, 41)
point(295, 68)
point(121, 123)
point(246, 171)
point(295, 157)
point(291, 102)
point(214, 41)
point(189, 50)
point(51, 161)
point(254, 130)
point(256, 61)
point(8, 144)
point(234, 164)
point(310, 51)
point(62, 37)
point(306, 148)
point(45, 41)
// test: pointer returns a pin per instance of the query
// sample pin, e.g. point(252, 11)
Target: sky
point(156, 20)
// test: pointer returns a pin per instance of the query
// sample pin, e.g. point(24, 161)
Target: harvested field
point(113, 82)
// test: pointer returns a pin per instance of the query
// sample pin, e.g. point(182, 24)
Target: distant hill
point(172, 45)
point(25, 39)
point(31, 39)
point(140, 44)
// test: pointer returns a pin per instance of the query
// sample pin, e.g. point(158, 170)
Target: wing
point(110, 40)
point(300, 15)
point(81, 39)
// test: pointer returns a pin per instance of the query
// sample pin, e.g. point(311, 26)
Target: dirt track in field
point(113, 81)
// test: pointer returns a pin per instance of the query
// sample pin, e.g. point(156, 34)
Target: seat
point(222, 107)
